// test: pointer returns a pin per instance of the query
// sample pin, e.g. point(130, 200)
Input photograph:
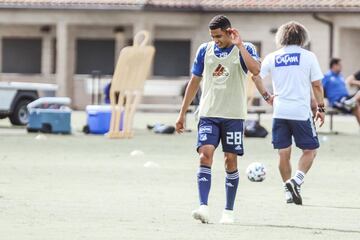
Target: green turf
point(90, 187)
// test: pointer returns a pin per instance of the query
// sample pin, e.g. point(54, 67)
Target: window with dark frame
point(21, 55)
point(95, 55)
point(172, 58)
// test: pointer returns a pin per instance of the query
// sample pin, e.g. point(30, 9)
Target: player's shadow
point(332, 207)
point(317, 230)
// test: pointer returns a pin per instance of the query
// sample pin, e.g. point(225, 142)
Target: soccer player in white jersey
point(294, 71)
point(222, 64)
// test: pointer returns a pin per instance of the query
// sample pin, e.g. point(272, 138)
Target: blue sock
point(231, 185)
point(204, 183)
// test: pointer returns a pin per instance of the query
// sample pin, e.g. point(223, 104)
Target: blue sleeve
point(198, 65)
point(252, 51)
point(324, 82)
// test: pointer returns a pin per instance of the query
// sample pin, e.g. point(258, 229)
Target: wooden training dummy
point(127, 85)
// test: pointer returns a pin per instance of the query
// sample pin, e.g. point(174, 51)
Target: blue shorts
point(304, 134)
point(230, 131)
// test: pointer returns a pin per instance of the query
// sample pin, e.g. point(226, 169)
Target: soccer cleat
point(288, 197)
point(294, 189)
point(350, 104)
point(227, 217)
point(202, 214)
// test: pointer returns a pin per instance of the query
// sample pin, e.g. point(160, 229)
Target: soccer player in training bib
point(294, 72)
point(222, 64)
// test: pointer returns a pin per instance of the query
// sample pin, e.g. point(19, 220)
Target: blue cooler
point(50, 115)
point(98, 118)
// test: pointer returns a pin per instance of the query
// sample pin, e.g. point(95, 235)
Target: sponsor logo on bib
point(221, 74)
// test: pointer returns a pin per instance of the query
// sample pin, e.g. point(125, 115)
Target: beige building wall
point(72, 25)
point(347, 41)
point(350, 49)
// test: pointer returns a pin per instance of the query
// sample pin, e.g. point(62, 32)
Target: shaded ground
point(89, 187)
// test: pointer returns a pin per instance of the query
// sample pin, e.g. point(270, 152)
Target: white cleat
point(350, 104)
point(202, 214)
point(288, 197)
point(227, 217)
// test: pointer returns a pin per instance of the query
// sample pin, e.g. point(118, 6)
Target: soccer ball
point(256, 172)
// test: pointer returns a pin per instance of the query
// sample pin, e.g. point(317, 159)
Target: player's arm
point(262, 90)
point(351, 80)
point(317, 80)
point(313, 104)
point(252, 65)
point(319, 96)
point(192, 87)
point(191, 90)
point(258, 80)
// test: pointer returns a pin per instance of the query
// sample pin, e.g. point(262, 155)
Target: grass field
point(90, 187)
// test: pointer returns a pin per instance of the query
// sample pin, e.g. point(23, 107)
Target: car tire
point(20, 115)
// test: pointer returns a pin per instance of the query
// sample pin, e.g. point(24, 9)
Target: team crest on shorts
point(203, 137)
point(205, 129)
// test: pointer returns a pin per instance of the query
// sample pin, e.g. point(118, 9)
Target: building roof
point(192, 5)
point(284, 5)
point(73, 4)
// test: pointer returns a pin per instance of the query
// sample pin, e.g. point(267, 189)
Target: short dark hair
point(334, 61)
point(219, 21)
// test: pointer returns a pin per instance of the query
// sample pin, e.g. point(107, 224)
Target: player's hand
point(235, 36)
point(180, 124)
point(271, 100)
point(321, 117)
